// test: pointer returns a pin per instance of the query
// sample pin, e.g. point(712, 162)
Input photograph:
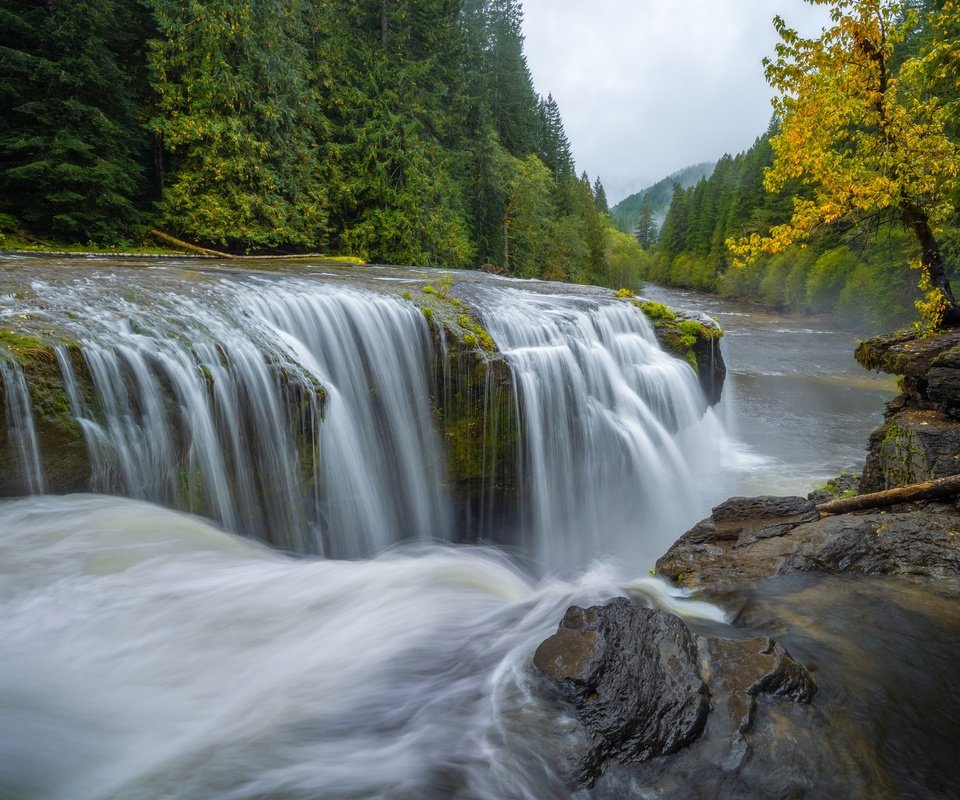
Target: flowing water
point(151, 654)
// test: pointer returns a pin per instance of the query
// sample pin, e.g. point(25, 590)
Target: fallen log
point(928, 490)
point(166, 238)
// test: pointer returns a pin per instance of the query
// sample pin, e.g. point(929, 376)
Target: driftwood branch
point(928, 490)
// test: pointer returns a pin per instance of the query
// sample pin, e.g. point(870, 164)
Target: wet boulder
point(632, 676)
point(650, 698)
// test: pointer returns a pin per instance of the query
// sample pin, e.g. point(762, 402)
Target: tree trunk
point(932, 260)
point(929, 490)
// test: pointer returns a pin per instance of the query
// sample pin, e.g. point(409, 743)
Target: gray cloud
point(650, 86)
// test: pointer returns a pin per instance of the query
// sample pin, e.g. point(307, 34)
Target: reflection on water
point(795, 398)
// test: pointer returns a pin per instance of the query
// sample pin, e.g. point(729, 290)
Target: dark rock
point(922, 540)
point(637, 682)
point(907, 354)
point(734, 525)
point(631, 674)
point(756, 666)
point(912, 446)
point(920, 439)
point(763, 507)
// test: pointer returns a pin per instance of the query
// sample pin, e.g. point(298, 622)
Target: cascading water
point(303, 411)
point(618, 453)
point(148, 655)
point(210, 399)
point(20, 426)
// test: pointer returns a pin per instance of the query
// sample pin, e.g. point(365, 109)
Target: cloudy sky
point(647, 87)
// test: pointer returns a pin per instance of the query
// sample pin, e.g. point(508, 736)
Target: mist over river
point(149, 654)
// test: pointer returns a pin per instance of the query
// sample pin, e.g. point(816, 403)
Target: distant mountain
point(625, 212)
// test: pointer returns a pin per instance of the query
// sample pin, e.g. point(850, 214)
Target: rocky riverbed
point(834, 674)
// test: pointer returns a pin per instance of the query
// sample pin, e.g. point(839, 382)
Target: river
point(148, 654)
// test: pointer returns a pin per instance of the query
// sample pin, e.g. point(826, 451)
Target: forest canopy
point(403, 131)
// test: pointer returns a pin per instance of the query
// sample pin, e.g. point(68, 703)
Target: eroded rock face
point(632, 675)
point(912, 446)
point(920, 439)
point(743, 542)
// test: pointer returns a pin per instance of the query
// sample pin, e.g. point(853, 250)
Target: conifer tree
point(645, 230)
point(71, 154)
point(600, 197)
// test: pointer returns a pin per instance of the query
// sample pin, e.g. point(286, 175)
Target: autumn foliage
point(863, 132)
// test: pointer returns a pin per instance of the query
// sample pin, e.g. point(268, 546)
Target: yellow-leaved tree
point(865, 133)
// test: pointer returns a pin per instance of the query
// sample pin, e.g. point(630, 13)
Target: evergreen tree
point(645, 230)
point(237, 113)
point(71, 154)
point(554, 147)
point(600, 197)
point(673, 234)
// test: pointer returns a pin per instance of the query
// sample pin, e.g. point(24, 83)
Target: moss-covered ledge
point(920, 437)
point(692, 337)
point(475, 404)
point(59, 437)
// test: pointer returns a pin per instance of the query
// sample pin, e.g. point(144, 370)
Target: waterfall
point(617, 449)
point(331, 417)
point(21, 428)
point(294, 411)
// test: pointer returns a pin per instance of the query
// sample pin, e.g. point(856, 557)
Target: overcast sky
point(646, 87)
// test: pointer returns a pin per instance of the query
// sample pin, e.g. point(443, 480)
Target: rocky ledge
point(920, 437)
point(666, 709)
point(749, 539)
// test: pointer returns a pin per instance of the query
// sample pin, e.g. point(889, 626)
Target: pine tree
point(600, 197)
point(237, 114)
point(71, 154)
point(645, 230)
point(554, 147)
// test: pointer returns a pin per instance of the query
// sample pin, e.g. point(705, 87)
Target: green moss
point(904, 459)
point(655, 311)
point(60, 438)
point(624, 292)
point(476, 334)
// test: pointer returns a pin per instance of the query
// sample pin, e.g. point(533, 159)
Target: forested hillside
point(655, 199)
point(854, 259)
point(404, 131)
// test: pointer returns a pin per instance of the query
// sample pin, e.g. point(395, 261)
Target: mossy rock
point(695, 339)
point(60, 441)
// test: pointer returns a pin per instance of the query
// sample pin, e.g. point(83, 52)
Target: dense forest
point(855, 264)
point(404, 131)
